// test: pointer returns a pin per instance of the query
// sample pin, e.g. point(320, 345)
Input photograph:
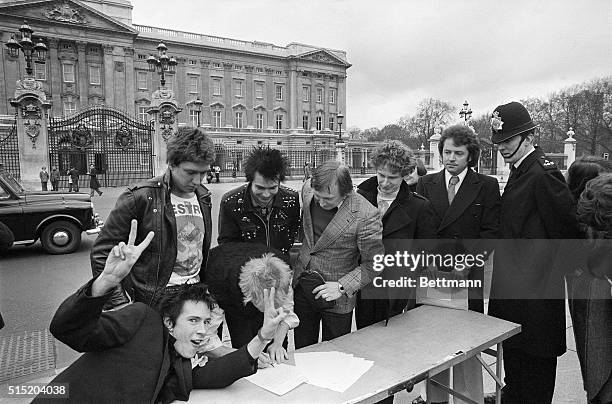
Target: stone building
point(243, 93)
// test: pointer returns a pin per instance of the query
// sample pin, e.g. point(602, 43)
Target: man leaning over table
point(342, 234)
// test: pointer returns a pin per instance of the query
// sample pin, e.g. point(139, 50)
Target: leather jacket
point(239, 220)
point(149, 203)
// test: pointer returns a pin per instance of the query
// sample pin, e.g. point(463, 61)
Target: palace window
point(332, 95)
point(259, 70)
point(238, 88)
point(40, 71)
point(69, 107)
point(305, 121)
point(216, 119)
point(319, 122)
point(331, 123)
point(94, 75)
point(306, 93)
point(193, 117)
point(142, 114)
point(68, 73)
point(216, 86)
point(238, 122)
point(259, 121)
point(279, 92)
point(259, 90)
point(279, 121)
point(216, 65)
point(193, 84)
point(319, 94)
point(142, 80)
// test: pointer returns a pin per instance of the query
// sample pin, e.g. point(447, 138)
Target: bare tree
point(431, 113)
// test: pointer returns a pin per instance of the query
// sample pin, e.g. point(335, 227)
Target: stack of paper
point(331, 370)
point(279, 379)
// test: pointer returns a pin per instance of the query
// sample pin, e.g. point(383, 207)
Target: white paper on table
point(279, 379)
point(332, 370)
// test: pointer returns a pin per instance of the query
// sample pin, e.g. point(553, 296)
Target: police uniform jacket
point(527, 283)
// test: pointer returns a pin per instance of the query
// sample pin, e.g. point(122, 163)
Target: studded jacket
point(239, 220)
point(149, 203)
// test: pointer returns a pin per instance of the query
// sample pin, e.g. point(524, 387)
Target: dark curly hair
point(394, 155)
point(462, 135)
point(270, 163)
point(595, 207)
point(172, 304)
point(583, 170)
point(190, 144)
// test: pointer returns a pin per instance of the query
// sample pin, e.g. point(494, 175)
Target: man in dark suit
point(467, 205)
point(527, 285)
point(405, 216)
point(133, 354)
point(469, 209)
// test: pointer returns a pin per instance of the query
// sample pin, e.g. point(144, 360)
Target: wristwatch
point(262, 339)
point(341, 289)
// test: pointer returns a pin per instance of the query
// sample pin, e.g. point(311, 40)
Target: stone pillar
point(164, 111)
point(205, 76)
point(109, 68)
point(293, 98)
point(270, 98)
point(249, 96)
point(32, 124)
point(82, 74)
point(436, 164)
point(227, 94)
point(326, 106)
point(180, 86)
point(130, 85)
point(55, 77)
point(341, 152)
point(569, 148)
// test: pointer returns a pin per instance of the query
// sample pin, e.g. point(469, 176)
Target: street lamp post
point(198, 104)
point(340, 118)
point(162, 63)
point(340, 145)
point(466, 112)
point(32, 52)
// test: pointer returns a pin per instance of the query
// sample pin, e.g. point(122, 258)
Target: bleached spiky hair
point(262, 273)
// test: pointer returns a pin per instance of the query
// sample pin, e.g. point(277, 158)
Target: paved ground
point(32, 284)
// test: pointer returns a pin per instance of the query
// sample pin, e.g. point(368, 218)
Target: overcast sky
point(488, 52)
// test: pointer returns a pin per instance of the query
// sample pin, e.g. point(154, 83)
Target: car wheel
point(6, 238)
point(61, 237)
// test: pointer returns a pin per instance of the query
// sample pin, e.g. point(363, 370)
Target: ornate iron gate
point(118, 145)
point(9, 147)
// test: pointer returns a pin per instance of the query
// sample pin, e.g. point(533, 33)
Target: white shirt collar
point(461, 175)
point(518, 163)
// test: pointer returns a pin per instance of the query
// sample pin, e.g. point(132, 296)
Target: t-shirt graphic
point(190, 237)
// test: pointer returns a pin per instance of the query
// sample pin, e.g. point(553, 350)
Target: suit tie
point(451, 188)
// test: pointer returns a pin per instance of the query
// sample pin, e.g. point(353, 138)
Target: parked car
point(56, 218)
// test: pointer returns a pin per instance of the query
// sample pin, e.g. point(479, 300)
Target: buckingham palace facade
point(243, 92)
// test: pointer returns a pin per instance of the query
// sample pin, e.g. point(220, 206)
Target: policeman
point(527, 284)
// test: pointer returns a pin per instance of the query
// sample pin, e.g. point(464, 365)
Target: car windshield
point(12, 182)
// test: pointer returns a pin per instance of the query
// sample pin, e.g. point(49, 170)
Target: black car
point(57, 219)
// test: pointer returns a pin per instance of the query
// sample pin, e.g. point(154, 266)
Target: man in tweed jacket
point(342, 234)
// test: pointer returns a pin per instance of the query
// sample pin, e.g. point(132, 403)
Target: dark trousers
point(243, 328)
point(74, 185)
point(44, 185)
point(476, 295)
point(529, 379)
point(307, 333)
point(95, 190)
point(54, 185)
point(370, 311)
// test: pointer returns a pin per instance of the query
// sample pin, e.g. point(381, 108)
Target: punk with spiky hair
point(268, 162)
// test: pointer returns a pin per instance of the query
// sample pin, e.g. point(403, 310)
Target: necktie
point(451, 188)
point(512, 172)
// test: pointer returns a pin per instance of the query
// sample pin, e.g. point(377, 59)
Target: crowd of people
point(151, 319)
